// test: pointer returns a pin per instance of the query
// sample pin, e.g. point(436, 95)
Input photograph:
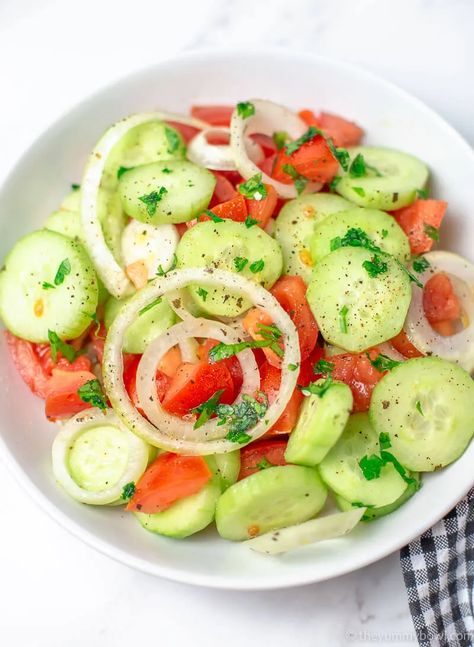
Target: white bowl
point(391, 118)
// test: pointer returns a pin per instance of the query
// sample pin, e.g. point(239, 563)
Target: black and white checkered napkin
point(438, 569)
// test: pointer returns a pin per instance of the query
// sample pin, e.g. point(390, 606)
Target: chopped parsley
point(270, 337)
point(324, 367)
point(422, 193)
point(173, 139)
point(384, 233)
point(421, 264)
point(257, 266)
point(151, 305)
point(318, 388)
point(359, 167)
point(292, 367)
point(343, 319)
point(63, 270)
point(122, 170)
point(431, 232)
point(280, 137)
point(128, 491)
point(240, 262)
point(207, 409)
point(375, 266)
point(58, 345)
point(95, 319)
point(264, 464)
point(245, 109)
point(341, 154)
point(304, 139)
point(166, 170)
point(161, 272)
point(213, 216)
point(250, 222)
point(371, 466)
point(242, 416)
point(299, 181)
point(359, 190)
point(334, 182)
point(418, 408)
point(253, 188)
point(202, 293)
point(91, 392)
point(151, 200)
point(47, 286)
point(75, 187)
point(383, 363)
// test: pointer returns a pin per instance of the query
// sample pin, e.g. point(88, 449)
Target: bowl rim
point(171, 573)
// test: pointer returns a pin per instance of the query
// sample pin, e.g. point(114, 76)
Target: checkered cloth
point(438, 569)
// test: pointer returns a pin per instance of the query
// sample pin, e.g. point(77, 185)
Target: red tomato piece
point(81, 363)
point(414, 219)
point(309, 118)
point(187, 132)
point(268, 163)
point(28, 364)
point(312, 160)
point(266, 142)
point(223, 191)
point(232, 364)
point(403, 345)
point(193, 384)
point(213, 115)
point(261, 453)
point(130, 366)
point(342, 131)
point(182, 228)
point(169, 478)
point(307, 374)
point(440, 302)
point(62, 400)
point(262, 210)
point(359, 374)
point(251, 323)
point(270, 378)
point(234, 209)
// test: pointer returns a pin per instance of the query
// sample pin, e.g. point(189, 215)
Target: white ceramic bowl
point(35, 187)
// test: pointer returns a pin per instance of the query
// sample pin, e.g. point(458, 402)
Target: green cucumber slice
point(185, 517)
point(381, 228)
point(341, 472)
point(320, 424)
point(146, 326)
point(65, 222)
point(294, 228)
point(225, 466)
point(425, 405)
point(166, 192)
point(374, 513)
point(400, 177)
point(218, 245)
point(268, 500)
point(27, 308)
point(354, 310)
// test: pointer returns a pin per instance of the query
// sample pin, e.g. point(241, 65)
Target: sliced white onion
point(219, 157)
point(138, 454)
point(189, 350)
point(268, 118)
point(111, 273)
point(459, 347)
point(146, 382)
point(387, 349)
point(113, 361)
point(154, 245)
point(308, 532)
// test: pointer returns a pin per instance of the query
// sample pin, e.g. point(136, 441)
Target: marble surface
point(55, 591)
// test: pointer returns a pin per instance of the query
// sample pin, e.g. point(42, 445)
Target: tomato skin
point(130, 366)
point(272, 451)
point(232, 363)
point(440, 302)
point(266, 142)
point(27, 364)
point(307, 374)
point(412, 220)
point(223, 191)
point(312, 160)
point(359, 374)
point(193, 384)
point(251, 323)
point(268, 163)
point(342, 131)
point(213, 115)
point(403, 345)
point(81, 363)
point(262, 210)
point(187, 132)
point(270, 378)
point(169, 478)
point(62, 400)
point(234, 209)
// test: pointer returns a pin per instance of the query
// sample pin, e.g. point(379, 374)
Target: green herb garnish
point(264, 464)
point(162, 272)
point(270, 337)
point(334, 182)
point(304, 139)
point(245, 109)
point(384, 233)
point(292, 367)
point(359, 167)
point(75, 187)
point(257, 266)
point(431, 232)
point(58, 345)
point(95, 319)
point(206, 409)
point(250, 222)
point(213, 216)
point(122, 170)
point(202, 293)
point(242, 416)
point(383, 363)
point(151, 305)
point(253, 188)
point(166, 170)
point(91, 392)
point(151, 200)
point(324, 367)
point(63, 270)
point(375, 266)
point(280, 138)
point(128, 491)
point(47, 286)
point(240, 262)
point(419, 408)
point(318, 388)
point(371, 466)
point(343, 319)
point(359, 190)
point(299, 181)
point(420, 264)
point(174, 140)
point(422, 193)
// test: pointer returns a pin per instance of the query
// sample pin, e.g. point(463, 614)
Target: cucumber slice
point(378, 225)
point(185, 517)
point(374, 513)
point(95, 456)
point(225, 466)
point(425, 404)
point(354, 310)
point(150, 142)
point(400, 176)
point(341, 472)
point(294, 228)
point(320, 424)
point(65, 222)
point(27, 309)
point(218, 245)
point(268, 500)
point(146, 326)
point(171, 191)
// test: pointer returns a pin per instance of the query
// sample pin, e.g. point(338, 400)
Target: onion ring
point(219, 157)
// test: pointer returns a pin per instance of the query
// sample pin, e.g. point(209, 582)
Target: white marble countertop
point(55, 591)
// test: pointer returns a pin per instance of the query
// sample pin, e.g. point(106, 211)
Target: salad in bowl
point(238, 317)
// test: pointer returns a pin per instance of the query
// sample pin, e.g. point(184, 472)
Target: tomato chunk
point(213, 115)
point(62, 399)
point(260, 455)
point(359, 374)
point(130, 380)
point(251, 323)
point(232, 363)
point(28, 364)
point(262, 210)
point(169, 478)
point(223, 191)
point(403, 345)
point(193, 384)
point(342, 131)
point(270, 378)
point(415, 219)
point(441, 304)
point(233, 209)
point(313, 160)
